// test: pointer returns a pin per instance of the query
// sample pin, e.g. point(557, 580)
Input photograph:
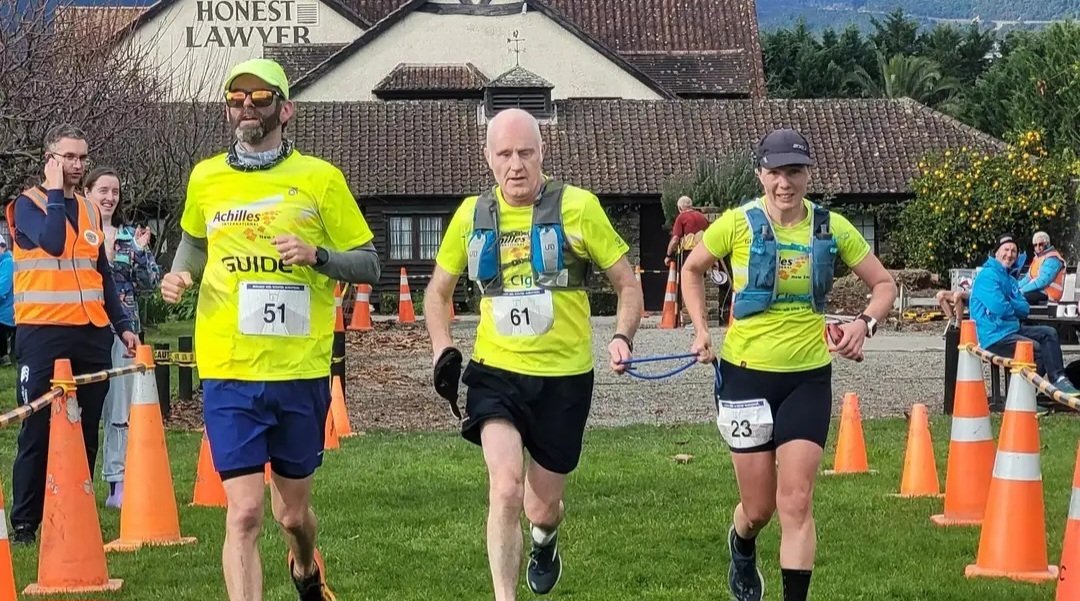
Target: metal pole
point(185, 345)
point(952, 358)
point(162, 373)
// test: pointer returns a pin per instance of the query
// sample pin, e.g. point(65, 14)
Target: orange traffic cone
point(971, 443)
point(148, 515)
point(71, 558)
point(1013, 538)
point(1068, 588)
point(339, 315)
point(339, 411)
point(670, 318)
point(850, 445)
point(209, 492)
point(920, 477)
point(361, 315)
point(7, 571)
point(330, 441)
point(406, 314)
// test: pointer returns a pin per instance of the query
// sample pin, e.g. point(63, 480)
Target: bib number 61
point(519, 317)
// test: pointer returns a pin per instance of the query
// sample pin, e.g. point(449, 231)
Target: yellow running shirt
point(788, 336)
point(257, 319)
point(566, 348)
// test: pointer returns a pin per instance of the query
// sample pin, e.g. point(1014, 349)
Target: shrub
point(965, 199)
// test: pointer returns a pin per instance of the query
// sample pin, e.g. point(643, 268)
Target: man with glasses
point(1045, 279)
point(271, 230)
point(66, 304)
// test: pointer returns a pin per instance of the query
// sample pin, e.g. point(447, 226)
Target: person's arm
point(190, 255)
point(1019, 304)
point(6, 279)
point(115, 309)
point(989, 291)
point(676, 235)
point(438, 297)
point(881, 284)
point(359, 265)
point(47, 229)
point(1047, 272)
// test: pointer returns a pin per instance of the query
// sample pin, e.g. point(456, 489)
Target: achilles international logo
point(254, 223)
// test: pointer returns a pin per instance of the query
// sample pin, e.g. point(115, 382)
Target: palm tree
point(914, 77)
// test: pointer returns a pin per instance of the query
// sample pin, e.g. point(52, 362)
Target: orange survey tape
point(1027, 371)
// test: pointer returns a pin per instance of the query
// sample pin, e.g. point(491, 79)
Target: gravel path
point(396, 393)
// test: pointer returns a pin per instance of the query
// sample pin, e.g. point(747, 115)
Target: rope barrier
point(59, 389)
point(20, 413)
point(107, 374)
point(1028, 372)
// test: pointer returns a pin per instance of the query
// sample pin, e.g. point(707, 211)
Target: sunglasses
point(259, 98)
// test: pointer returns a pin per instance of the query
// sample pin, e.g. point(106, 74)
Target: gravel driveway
point(391, 370)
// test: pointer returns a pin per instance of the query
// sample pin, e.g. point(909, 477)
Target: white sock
point(542, 537)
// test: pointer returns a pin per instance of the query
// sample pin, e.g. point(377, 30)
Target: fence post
point(162, 367)
point(952, 357)
point(184, 345)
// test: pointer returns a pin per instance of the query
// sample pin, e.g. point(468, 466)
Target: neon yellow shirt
point(788, 336)
point(566, 348)
point(257, 319)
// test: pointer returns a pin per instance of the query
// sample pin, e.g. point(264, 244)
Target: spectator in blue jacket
point(997, 306)
point(7, 303)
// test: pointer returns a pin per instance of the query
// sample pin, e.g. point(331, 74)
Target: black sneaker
point(23, 534)
point(545, 566)
point(314, 587)
point(744, 578)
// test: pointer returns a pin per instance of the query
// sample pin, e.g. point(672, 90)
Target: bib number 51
point(274, 313)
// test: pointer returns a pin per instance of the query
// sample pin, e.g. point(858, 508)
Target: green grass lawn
point(402, 518)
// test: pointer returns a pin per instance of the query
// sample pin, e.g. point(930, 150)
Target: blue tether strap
point(637, 374)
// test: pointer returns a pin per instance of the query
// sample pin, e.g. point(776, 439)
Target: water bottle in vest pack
point(548, 262)
point(483, 254)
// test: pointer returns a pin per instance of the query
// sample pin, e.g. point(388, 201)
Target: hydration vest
point(763, 267)
point(554, 264)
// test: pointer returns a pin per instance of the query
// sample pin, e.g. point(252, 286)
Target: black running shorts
point(761, 410)
point(549, 411)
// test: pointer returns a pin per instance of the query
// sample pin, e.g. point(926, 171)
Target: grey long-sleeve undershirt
point(359, 265)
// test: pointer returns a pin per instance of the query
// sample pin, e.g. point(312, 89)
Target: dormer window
point(519, 88)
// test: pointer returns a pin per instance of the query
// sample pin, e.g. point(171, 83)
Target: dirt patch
point(849, 297)
point(390, 380)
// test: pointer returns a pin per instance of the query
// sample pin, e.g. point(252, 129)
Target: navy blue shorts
point(250, 423)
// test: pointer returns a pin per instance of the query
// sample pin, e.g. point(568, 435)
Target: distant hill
point(1002, 14)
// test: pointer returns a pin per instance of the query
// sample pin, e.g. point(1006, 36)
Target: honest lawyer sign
point(241, 23)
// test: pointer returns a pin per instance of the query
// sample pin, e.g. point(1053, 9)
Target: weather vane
point(517, 49)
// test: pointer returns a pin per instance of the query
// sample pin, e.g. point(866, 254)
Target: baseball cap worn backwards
point(783, 147)
point(266, 70)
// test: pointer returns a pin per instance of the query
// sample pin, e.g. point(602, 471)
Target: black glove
point(448, 377)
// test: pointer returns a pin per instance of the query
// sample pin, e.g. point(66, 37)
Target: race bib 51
point(275, 309)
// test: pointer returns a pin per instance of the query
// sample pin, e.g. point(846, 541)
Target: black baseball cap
point(783, 147)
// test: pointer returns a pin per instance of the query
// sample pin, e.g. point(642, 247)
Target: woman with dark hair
point(774, 387)
point(135, 271)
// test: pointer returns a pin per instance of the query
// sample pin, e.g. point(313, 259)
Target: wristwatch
point(321, 256)
point(871, 324)
point(626, 339)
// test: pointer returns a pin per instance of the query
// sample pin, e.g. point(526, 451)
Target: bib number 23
point(745, 424)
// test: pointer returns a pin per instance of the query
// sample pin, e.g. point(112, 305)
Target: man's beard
point(253, 134)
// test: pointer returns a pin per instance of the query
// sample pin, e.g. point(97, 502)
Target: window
point(865, 224)
point(414, 237)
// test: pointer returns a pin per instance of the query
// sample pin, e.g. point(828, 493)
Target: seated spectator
point(997, 306)
point(952, 302)
point(1045, 280)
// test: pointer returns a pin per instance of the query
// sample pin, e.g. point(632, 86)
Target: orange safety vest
point(64, 290)
point(1057, 287)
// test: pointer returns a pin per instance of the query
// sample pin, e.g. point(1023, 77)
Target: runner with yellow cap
point(271, 231)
